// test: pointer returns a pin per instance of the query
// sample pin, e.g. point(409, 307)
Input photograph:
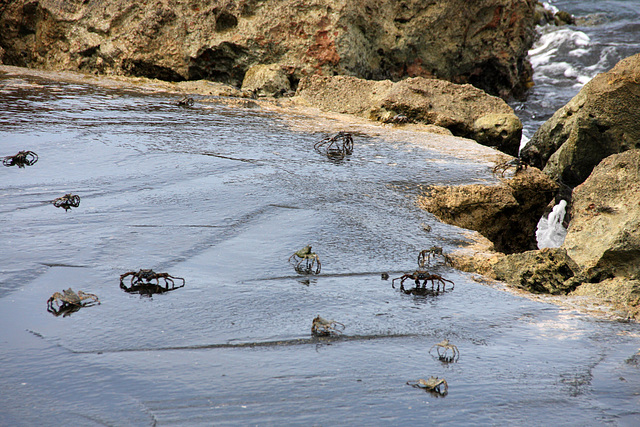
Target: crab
point(322, 327)
point(335, 147)
point(69, 302)
point(517, 164)
point(424, 257)
point(311, 259)
point(186, 101)
point(435, 385)
point(22, 159)
point(447, 346)
point(67, 201)
point(142, 282)
point(422, 275)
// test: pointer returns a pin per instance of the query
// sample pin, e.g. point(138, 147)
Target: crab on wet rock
point(433, 384)
point(310, 260)
point(321, 327)
point(444, 356)
point(142, 281)
point(335, 147)
point(69, 301)
point(420, 277)
point(22, 159)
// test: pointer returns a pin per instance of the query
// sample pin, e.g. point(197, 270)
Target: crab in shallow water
point(322, 327)
point(421, 277)
point(69, 301)
point(424, 257)
point(142, 282)
point(335, 147)
point(22, 159)
point(517, 164)
point(433, 384)
point(444, 357)
point(309, 258)
point(186, 101)
point(67, 201)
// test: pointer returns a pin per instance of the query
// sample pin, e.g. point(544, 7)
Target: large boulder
point(463, 109)
point(506, 213)
point(603, 119)
point(604, 233)
point(484, 42)
point(548, 271)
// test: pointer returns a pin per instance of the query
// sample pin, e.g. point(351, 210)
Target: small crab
point(311, 259)
point(142, 282)
point(186, 101)
point(22, 159)
point(68, 302)
point(423, 276)
point(322, 327)
point(424, 257)
point(433, 384)
point(517, 164)
point(67, 201)
point(447, 346)
point(335, 147)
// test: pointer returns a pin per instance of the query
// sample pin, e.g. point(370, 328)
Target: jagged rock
point(507, 213)
point(548, 270)
point(484, 42)
point(604, 233)
point(463, 109)
point(603, 119)
point(266, 80)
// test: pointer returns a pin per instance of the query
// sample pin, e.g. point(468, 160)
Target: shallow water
point(222, 196)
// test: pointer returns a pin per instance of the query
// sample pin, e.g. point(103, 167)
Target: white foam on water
point(551, 233)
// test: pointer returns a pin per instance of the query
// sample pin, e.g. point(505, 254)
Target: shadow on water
point(223, 196)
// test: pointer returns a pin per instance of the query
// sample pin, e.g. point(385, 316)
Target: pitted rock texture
point(507, 213)
point(603, 119)
point(484, 42)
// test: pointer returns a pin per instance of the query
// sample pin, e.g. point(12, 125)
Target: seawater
point(565, 58)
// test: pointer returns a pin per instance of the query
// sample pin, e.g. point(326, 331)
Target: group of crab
point(143, 282)
point(29, 158)
point(421, 276)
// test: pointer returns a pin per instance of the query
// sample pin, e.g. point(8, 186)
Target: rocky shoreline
point(374, 61)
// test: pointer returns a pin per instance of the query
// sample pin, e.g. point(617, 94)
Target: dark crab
point(322, 327)
point(335, 147)
point(424, 257)
point(310, 259)
point(67, 201)
point(444, 356)
point(517, 164)
point(22, 159)
point(69, 302)
point(142, 282)
point(435, 385)
point(420, 278)
point(186, 101)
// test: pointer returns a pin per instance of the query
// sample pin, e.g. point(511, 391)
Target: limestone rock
point(266, 80)
point(548, 270)
point(621, 293)
point(463, 109)
point(484, 42)
point(603, 119)
point(506, 213)
point(604, 233)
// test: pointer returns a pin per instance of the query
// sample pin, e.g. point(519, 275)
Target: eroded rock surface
point(484, 42)
point(506, 213)
point(603, 119)
point(604, 233)
point(463, 109)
